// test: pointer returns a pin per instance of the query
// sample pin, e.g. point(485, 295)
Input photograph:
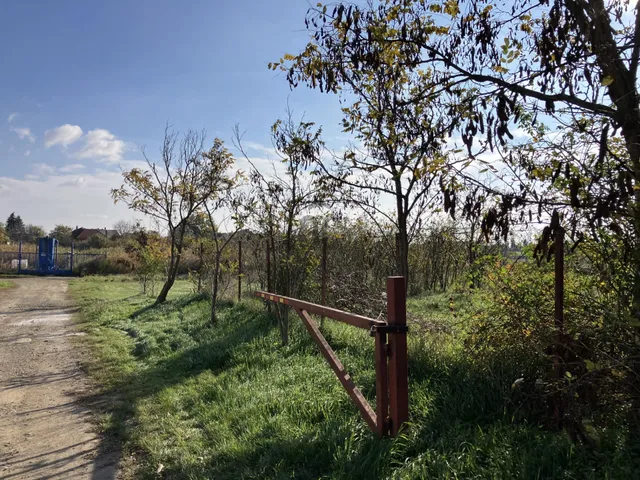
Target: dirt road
point(46, 431)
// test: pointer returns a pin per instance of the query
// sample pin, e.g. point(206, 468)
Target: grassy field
point(229, 402)
point(6, 284)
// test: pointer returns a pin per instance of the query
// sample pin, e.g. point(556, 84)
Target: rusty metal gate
point(392, 390)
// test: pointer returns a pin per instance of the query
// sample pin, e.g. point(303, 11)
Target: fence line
point(9, 261)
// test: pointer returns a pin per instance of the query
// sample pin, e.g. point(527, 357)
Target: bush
point(114, 263)
point(568, 377)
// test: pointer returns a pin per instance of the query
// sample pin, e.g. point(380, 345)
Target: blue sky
point(86, 84)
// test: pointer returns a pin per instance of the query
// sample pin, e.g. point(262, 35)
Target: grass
point(6, 284)
point(229, 402)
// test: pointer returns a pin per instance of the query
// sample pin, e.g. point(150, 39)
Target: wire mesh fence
point(25, 262)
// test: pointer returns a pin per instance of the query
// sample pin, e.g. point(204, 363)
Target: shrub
point(567, 377)
point(117, 262)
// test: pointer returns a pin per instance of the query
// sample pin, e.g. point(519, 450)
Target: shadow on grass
point(452, 406)
point(175, 304)
point(214, 355)
point(271, 454)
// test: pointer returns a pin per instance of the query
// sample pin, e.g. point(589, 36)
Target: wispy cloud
point(27, 153)
point(24, 133)
point(42, 170)
point(64, 135)
point(73, 182)
point(258, 147)
point(74, 167)
point(11, 117)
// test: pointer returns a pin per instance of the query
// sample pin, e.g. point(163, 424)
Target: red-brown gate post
point(398, 370)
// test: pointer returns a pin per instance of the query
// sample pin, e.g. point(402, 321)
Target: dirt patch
point(46, 431)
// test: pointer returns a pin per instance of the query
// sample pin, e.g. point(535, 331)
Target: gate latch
point(388, 329)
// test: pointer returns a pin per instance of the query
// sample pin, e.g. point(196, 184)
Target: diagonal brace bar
point(347, 382)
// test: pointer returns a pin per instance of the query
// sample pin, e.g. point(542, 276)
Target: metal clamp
point(388, 329)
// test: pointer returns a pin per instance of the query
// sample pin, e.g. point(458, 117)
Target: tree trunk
point(176, 253)
point(402, 240)
point(631, 133)
point(171, 278)
point(287, 291)
point(200, 267)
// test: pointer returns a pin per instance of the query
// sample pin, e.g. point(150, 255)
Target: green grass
point(6, 284)
point(229, 402)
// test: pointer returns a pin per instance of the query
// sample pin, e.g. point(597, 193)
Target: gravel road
point(46, 429)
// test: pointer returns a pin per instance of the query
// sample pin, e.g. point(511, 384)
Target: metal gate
point(392, 385)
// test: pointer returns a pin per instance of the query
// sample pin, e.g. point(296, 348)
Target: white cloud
point(11, 117)
point(24, 132)
point(72, 182)
point(64, 135)
point(71, 168)
point(71, 199)
point(42, 170)
point(27, 153)
point(258, 147)
point(102, 145)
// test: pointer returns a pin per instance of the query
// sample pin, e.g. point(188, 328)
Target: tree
point(173, 191)
point(32, 233)
point(403, 136)
point(149, 251)
point(63, 234)
point(283, 198)
point(221, 197)
point(4, 238)
point(15, 227)
point(97, 241)
point(126, 227)
point(572, 63)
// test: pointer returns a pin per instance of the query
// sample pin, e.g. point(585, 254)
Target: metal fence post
point(559, 280)
point(398, 370)
point(559, 319)
point(239, 269)
point(20, 257)
point(269, 273)
point(323, 293)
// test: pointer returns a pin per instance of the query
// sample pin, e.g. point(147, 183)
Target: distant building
point(80, 234)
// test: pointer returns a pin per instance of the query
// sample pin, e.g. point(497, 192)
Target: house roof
point(82, 233)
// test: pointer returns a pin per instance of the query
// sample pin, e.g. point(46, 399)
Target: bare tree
point(172, 191)
point(126, 227)
point(284, 197)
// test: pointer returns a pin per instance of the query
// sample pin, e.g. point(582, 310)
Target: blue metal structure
point(47, 254)
point(47, 259)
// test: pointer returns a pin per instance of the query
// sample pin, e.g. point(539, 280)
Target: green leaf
point(606, 81)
